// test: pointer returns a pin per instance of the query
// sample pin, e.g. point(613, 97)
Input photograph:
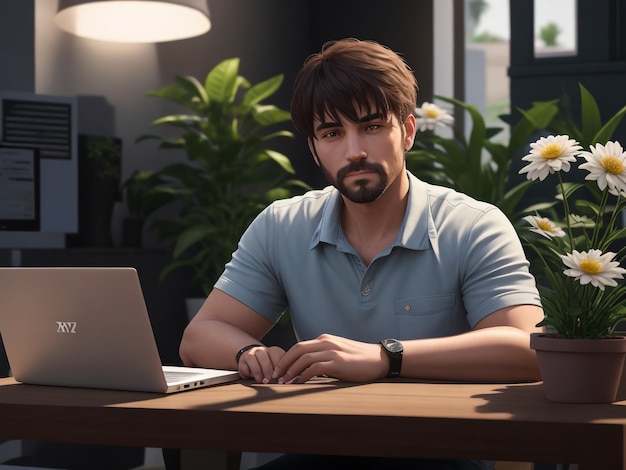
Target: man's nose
point(355, 149)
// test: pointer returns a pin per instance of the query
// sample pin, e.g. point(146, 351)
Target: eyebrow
point(366, 118)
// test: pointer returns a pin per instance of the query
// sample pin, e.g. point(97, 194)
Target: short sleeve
point(250, 276)
point(494, 269)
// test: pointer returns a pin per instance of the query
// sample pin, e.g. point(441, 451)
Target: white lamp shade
point(134, 21)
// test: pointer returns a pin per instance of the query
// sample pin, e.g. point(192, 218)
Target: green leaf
point(590, 113)
point(185, 91)
point(268, 115)
point(606, 132)
point(477, 136)
point(189, 237)
point(221, 82)
point(513, 196)
point(192, 88)
point(281, 159)
point(262, 90)
point(536, 118)
point(177, 119)
point(148, 137)
point(277, 134)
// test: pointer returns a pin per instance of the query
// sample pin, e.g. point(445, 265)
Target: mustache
point(357, 166)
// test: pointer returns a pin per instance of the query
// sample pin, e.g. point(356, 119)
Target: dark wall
point(600, 62)
point(407, 28)
point(17, 45)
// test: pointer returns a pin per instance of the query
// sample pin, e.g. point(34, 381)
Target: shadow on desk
point(527, 402)
point(503, 400)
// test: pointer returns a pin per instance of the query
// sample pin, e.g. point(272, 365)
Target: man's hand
point(259, 362)
point(332, 356)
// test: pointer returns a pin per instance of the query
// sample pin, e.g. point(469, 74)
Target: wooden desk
point(399, 418)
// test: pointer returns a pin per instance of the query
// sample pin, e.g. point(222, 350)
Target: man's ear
point(313, 151)
point(410, 127)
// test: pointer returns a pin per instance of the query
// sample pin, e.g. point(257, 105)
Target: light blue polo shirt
point(455, 261)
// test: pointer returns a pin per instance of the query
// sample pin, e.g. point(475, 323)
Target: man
point(383, 274)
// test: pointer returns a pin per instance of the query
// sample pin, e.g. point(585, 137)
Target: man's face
point(362, 159)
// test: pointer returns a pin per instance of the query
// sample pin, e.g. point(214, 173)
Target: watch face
point(392, 345)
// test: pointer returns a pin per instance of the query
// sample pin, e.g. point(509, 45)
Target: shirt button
point(407, 308)
point(365, 290)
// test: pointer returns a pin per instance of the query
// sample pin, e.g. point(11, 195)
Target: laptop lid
point(85, 327)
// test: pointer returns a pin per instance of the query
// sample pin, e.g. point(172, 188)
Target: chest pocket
point(426, 316)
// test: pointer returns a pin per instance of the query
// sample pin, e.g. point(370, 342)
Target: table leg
point(209, 460)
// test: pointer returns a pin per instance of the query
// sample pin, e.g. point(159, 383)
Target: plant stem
point(600, 221)
point(566, 209)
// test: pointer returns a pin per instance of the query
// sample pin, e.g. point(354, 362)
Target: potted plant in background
point(479, 165)
point(231, 173)
point(144, 195)
point(581, 277)
point(99, 170)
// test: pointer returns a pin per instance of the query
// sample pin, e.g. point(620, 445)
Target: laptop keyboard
point(175, 376)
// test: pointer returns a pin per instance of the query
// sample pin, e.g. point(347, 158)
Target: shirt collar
point(413, 232)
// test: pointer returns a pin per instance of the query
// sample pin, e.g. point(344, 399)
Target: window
point(555, 28)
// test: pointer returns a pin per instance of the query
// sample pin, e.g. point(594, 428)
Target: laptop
point(87, 327)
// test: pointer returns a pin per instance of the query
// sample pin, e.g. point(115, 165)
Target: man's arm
point(497, 350)
point(221, 328)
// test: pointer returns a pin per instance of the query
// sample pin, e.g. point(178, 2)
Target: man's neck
point(372, 227)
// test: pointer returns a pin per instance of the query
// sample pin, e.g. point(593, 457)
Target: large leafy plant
point(478, 165)
point(231, 173)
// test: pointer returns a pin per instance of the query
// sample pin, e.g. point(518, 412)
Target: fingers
point(330, 356)
point(258, 363)
point(325, 355)
point(306, 360)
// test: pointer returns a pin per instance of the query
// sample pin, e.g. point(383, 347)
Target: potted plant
point(99, 169)
point(230, 174)
point(144, 195)
point(581, 258)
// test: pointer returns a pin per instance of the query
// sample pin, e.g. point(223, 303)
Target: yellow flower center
point(551, 151)
point(590, 266)
point(544, 225)
point(432, 113)
point(612, 165)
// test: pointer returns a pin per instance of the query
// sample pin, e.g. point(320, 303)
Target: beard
point(366, 190)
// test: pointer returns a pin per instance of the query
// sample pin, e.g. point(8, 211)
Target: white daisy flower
point(429, 116)
point(544, 226)
point(593, 267)
point(606, 165)
point(550, 154)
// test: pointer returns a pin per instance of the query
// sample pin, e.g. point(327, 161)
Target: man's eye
point(373, 127)
point(330, 134)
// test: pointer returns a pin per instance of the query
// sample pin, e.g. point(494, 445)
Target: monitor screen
point(19, 189)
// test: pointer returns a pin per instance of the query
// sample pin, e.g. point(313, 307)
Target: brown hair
point(347, 76)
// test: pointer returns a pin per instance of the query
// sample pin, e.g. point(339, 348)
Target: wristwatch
point(394, 350)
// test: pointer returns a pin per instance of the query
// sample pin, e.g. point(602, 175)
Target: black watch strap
point(394, 350)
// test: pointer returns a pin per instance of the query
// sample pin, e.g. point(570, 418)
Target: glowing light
point(137, 21)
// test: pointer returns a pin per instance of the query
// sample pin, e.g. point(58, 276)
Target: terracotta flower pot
point(579, 370)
